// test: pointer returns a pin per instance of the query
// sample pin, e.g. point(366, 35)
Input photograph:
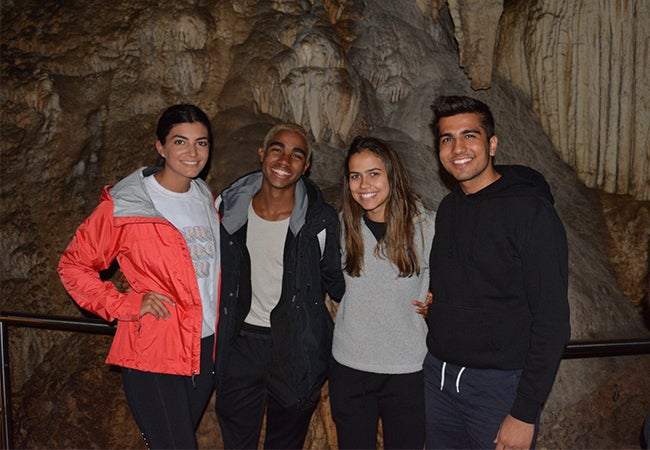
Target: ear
point(493, 145)
point(306, 167)
point(260, 153)
point(160, 149)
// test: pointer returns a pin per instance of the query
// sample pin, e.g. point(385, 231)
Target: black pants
point(360, 398)
point(251, 384)
point(168, 408)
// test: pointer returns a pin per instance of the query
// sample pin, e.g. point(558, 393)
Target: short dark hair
point(182, 113)
point(447, 106)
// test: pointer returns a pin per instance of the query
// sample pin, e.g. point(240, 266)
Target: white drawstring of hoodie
point(442, 377)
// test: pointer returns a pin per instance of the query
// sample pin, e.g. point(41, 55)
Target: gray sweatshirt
point(377, 329)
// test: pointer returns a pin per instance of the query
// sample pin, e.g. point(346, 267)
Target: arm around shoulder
point(331, 272)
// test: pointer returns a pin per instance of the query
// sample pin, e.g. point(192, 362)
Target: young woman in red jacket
point(161, 226)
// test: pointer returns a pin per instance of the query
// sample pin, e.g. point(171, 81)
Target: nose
point(285, 158)
point(456, 146)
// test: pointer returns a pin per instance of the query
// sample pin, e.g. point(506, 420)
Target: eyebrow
point(280, 144)
point(464, 132)
point(373, 169)
point(187, 139)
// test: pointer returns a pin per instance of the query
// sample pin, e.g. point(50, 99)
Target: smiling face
point(186, 150)
point(284, 159)
point(466, 152)
point(369, 185)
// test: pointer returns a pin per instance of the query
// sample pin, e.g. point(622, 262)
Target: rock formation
point(84, 82)
point(585, 66)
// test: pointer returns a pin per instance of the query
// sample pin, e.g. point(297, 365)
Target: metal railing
point(96, 326)
point(575, 349)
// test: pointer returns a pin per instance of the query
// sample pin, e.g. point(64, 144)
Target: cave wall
point(586, 65)
point(84, 82)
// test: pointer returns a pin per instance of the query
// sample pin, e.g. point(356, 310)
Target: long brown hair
point(401, 211)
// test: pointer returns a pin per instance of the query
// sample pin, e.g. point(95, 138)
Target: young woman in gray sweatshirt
point(379, 337)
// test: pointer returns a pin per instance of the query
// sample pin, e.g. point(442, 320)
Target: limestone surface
point(83, 84)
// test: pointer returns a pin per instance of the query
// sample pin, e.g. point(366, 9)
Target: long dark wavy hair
point(401, 213)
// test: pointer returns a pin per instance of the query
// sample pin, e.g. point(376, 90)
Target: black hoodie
point(499, 276)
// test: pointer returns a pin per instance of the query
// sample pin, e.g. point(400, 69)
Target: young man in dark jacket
point(280, 249)
point(499, 321)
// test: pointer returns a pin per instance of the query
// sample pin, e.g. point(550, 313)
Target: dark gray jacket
point(301, 326)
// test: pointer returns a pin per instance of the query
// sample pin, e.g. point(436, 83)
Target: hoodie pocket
point(486, 336)
point(457, 329)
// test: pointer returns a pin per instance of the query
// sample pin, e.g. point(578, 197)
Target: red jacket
point(153, 256)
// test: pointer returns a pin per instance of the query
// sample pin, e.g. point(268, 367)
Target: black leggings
point(168, 408)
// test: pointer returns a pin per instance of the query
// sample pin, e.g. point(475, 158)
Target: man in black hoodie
point(499, 321)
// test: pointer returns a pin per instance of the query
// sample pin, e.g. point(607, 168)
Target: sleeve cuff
point(525, 409)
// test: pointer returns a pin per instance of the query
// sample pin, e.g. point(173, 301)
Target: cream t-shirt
point(265, 242)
